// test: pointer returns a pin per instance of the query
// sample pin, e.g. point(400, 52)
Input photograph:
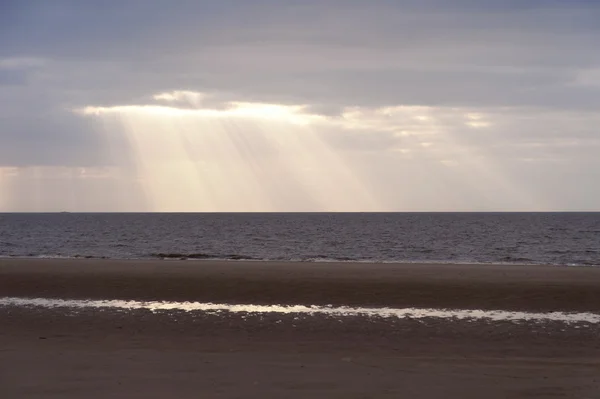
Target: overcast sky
point(329, 105)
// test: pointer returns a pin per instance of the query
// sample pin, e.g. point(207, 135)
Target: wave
point(506, 260)
point(53, 256)
point(325, 258)
point(201, 255)
point(209, 256)
point(516, 259)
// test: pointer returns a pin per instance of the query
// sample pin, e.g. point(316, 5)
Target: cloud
point(441, 153)
point(21, 63)
point(181, 97)
point(429, 104)
point(16, 71)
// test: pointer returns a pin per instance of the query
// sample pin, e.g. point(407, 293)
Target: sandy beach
point(95, 353)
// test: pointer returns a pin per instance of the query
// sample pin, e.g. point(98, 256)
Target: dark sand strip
point(532, 288)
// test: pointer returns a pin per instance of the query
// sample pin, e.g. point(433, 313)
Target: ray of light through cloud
point(282, 106)
point(6, 174)
point(245, 156)
point(431, 133)
point(198, 159)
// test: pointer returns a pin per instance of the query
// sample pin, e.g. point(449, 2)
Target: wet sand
point(58, 353)
point(514, 287)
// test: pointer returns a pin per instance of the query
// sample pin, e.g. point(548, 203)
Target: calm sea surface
point(547, 238)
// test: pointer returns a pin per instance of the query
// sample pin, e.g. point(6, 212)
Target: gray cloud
point(530, 67)
point(333, 52)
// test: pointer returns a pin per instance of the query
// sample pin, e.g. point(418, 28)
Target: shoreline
point(442, 286)
point(242, 258)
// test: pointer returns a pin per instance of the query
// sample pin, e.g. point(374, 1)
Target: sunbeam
point(244, 157)
point(6, 186)
point(479, 173)
point(453, 164)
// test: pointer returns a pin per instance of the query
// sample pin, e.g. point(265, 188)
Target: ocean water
point(521, 238)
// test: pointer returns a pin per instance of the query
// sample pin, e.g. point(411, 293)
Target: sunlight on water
point(387, 313)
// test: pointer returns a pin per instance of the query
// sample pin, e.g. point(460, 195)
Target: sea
point(501, 238)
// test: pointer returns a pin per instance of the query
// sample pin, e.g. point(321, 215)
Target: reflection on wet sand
point(412, 313)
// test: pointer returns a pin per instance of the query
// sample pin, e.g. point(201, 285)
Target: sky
point(292, 106)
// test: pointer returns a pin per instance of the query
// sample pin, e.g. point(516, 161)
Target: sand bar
point(509, 287)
